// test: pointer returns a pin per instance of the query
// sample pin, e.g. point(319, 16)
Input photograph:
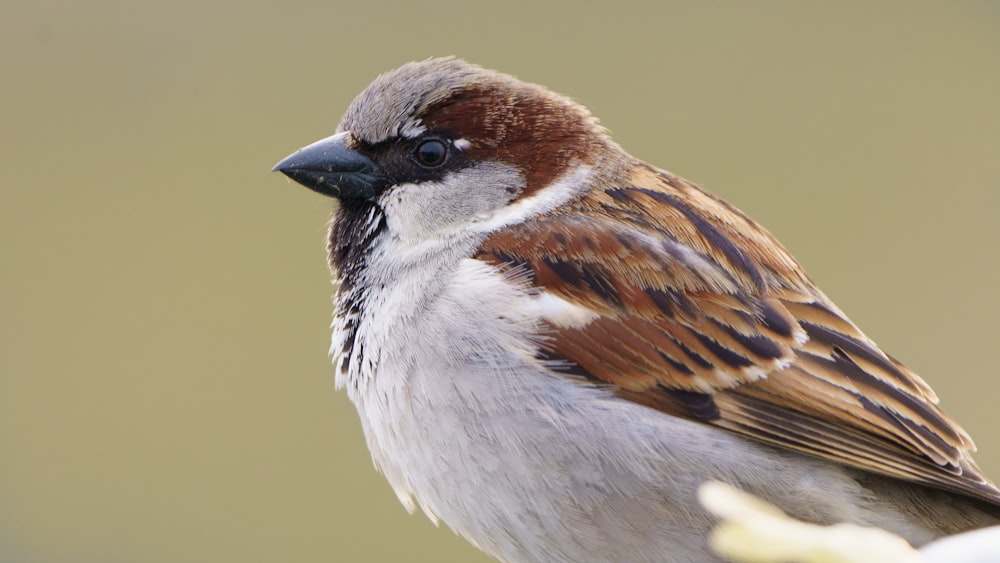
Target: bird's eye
point(431, 153)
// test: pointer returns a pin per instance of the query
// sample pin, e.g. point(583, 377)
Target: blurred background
point(165, 390)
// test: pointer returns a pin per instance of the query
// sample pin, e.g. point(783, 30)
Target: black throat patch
point(356, 227)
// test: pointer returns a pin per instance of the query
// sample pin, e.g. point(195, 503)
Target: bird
point(551, 344)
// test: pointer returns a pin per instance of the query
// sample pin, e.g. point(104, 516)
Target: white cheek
point(567, 187)
point(402, 210)
point(417, 214)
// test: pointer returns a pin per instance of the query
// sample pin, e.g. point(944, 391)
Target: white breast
point(531, 465)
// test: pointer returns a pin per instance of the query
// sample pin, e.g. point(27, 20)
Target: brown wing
point(699, 312)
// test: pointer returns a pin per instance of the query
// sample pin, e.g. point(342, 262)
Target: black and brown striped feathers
point(695, 310)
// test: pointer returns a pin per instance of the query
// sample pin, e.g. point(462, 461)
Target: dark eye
point(431, 153)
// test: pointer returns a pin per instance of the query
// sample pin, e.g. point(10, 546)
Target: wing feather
point(701, 313)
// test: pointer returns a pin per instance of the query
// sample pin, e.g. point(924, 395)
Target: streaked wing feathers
point(697, 311)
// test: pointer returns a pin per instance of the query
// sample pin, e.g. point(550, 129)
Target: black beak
point(332, 169)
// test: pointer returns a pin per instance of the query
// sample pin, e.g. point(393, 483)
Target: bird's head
point(441, 148)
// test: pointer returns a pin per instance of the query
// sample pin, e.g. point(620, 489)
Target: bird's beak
point(331, 168)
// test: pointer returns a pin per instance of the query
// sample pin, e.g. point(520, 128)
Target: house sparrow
point(551, 344)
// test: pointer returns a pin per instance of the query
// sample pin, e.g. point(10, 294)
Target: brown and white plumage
point(518, 292)
point(700, 312)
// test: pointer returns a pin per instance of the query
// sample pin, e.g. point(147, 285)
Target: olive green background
point(165, 390)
